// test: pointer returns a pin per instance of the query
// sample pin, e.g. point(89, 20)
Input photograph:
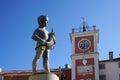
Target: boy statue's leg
point(39, 53)
point(46, 61)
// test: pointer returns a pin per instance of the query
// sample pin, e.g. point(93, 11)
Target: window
point(1, 77)
point(119, 64)
point(119, 76)
point(102, 77)
point(102, 66)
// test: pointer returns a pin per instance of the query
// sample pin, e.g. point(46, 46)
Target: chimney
point(111, 55)
point(66, 66)
point(73, 30)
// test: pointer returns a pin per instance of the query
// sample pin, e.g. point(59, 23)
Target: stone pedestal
point(43, 76)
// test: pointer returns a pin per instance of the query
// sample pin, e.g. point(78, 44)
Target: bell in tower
point(84, 25)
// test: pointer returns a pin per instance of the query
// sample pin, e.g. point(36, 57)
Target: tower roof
point(83, 27)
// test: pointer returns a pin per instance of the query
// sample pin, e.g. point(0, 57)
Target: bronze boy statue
point(45, 41)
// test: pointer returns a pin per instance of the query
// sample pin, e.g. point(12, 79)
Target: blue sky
point(18, 20)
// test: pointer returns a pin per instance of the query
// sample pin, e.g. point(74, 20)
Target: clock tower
point(85, 56)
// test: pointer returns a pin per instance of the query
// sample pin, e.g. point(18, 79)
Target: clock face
point(84, 44)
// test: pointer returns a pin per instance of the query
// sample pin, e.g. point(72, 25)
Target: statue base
point(43, 76)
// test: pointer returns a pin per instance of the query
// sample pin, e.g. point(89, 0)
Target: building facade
point(110, 69)
point(62, 73)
